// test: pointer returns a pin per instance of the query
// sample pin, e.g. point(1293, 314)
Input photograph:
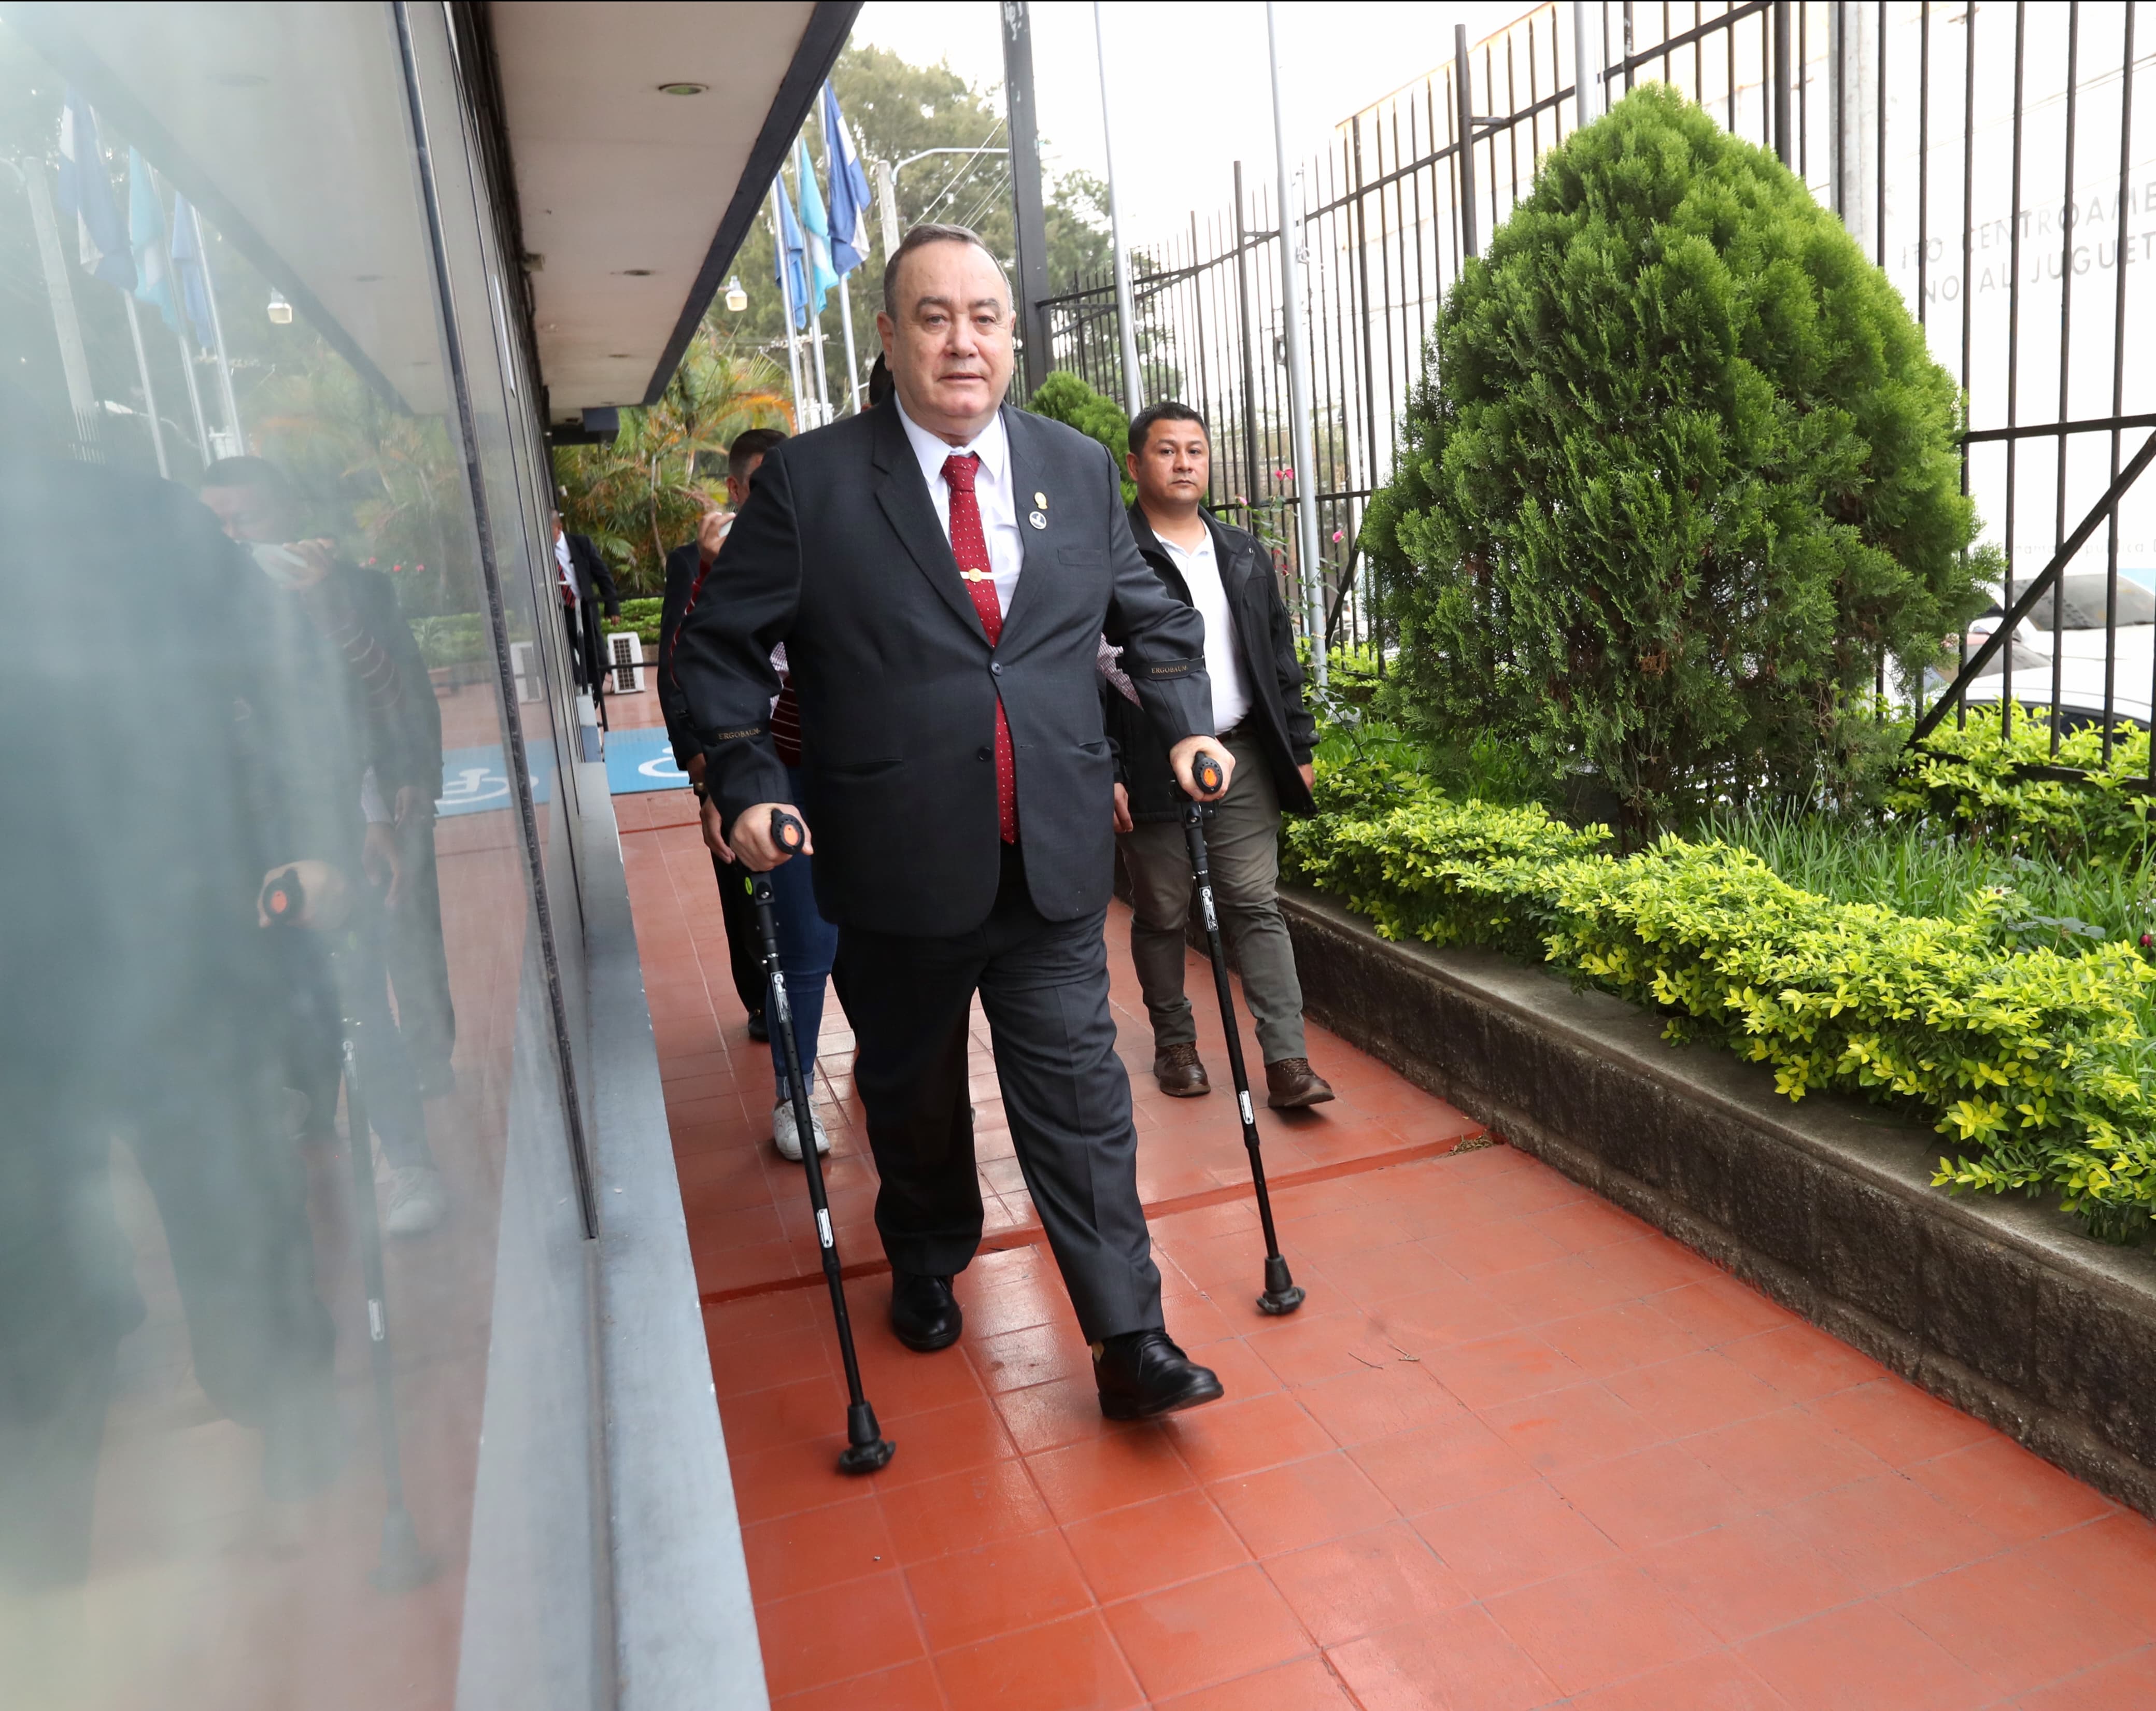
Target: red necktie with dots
point(969, 546)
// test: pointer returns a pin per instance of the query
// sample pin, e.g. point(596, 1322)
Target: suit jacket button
point(996, 667)
point(984, 754)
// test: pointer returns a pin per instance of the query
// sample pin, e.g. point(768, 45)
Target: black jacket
point(593, 578)
point(1265, 648)
point(594, 586)
point(838, 554)
point(683, 587)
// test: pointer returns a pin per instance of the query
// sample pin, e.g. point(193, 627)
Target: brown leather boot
point(1292, 1083)
point(1180, 1074)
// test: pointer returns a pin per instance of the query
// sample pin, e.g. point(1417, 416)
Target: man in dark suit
point(1258, 710)
point(941, 570)
point(688, 566)
point(586, 584)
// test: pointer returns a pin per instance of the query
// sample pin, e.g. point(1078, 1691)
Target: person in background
point(941, 570)
point(1258, 710)
point(687, 567)
point(586, 584)
point(145, 1004)
point(392, 771)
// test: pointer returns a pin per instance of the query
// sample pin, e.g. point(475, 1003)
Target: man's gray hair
point(920, 238)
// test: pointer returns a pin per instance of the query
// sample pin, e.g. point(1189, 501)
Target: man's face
point(738, 485)
point(1173, 469)
point(248, 514)
point(949, 346)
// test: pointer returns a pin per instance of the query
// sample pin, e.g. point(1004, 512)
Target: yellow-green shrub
point(2027, 1059)
point(1972, 781)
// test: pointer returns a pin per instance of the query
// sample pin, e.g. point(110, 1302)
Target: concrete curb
point(1999, 1306)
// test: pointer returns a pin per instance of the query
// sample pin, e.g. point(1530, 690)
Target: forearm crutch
point(866, 1447)
point(1283, 1295)
point(403, 1565)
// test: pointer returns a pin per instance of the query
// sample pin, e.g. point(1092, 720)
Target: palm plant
point(642, 495)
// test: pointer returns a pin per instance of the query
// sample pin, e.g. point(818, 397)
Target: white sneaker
point(787, 1135)
point(416, 1200)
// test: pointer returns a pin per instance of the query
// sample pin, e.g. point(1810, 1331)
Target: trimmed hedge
point(1973, 781)
point(2028, 1059)
point(641, 616)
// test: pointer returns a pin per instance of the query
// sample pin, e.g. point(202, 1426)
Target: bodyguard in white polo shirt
point(1258, 710)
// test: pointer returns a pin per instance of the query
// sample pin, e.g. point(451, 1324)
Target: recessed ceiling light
point(683, 89)
point(636, 272)
point(618, 356)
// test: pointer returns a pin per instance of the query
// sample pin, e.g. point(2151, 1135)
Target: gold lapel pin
point(1040, 499)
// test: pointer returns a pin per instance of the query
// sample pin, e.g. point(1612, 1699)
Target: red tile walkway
point(1518, 1450)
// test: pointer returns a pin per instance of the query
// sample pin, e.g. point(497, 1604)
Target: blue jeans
point(806, 944)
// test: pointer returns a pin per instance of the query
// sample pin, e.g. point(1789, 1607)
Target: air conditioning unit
point(625, 659)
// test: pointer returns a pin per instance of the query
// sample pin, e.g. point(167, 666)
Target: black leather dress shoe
point(1140, 1374)
point(924, 1312)
point(758, 1031)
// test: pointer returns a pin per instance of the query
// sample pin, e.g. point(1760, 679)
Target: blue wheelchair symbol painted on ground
point(475, 780)
point(638, 760)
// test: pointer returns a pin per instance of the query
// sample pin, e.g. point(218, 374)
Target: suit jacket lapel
point(1026, 478)
point(904, 497)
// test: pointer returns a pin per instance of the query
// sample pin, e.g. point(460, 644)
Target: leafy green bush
point(2031, 1060)
point(1064, 397)
point(641, 616)
point(455, 639)
point(1972, 781)
point(1682, 470)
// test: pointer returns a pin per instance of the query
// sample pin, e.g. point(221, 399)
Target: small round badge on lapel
point(1038, 519)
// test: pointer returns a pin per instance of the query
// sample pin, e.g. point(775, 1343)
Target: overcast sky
point(1188, 86)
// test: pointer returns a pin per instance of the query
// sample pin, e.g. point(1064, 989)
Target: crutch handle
point(283, 901)
point(787, 832)
point(1205, 772)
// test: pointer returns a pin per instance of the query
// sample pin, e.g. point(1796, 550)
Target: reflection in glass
point(268, 1053)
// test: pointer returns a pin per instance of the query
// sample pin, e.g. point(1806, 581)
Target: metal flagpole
point(237, 434)
point(149, 392)
point(75, 360)
point(1299, 387)
point(816, 336)
point(185, 345)
point(853, 361)
point(1125, 311)
point(786, 299)
point(1585, 71)
point(194, 391)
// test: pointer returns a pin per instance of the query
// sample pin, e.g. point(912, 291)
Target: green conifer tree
point(1682, 472)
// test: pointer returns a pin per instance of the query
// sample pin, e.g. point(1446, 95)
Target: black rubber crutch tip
point(1283, 1295)
point(867, 1449)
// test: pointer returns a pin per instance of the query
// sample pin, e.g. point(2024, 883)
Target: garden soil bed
point(1999, 1306)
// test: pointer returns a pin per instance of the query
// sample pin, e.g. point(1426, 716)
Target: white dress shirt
point(1224, 665)
point(568, 570)
point(992, 492)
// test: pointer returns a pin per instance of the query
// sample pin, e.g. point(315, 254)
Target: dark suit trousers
point(1043, 986)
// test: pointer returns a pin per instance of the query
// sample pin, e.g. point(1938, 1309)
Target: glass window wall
point(295, 1392)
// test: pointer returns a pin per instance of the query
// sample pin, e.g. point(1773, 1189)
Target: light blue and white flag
point(818, 227)
point(145, 238)
point(192, 271)
point(849, 190)
point(86, 192)
point(787, 272)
